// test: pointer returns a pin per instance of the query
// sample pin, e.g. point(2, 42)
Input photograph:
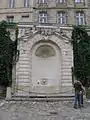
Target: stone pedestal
point(8, 93)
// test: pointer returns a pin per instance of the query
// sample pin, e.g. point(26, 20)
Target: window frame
point(43, 1)
point(26, 3)
point(10, 19)
point(11, 3)
point(79, 1)
point(25, 17)
point(61, 18)
point(43, 17)
point(60, 1)
point(80, 16)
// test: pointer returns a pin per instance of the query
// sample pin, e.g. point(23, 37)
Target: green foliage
point(8, 51)
point(81, 51)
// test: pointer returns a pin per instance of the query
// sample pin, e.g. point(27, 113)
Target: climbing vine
point(81, 53)
point(8, 53)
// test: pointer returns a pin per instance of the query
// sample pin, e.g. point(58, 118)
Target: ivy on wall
point(81, 53)
point(8, 53)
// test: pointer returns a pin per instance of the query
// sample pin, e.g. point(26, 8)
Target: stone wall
point(27, 39)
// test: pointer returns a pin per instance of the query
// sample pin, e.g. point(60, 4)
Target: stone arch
point(59, 41)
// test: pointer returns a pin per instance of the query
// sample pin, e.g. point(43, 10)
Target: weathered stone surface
point(47, 72)
point(26, 110)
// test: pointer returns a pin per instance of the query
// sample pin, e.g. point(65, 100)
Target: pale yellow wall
point(18, 3)
point(70, 7)
point(19, 10)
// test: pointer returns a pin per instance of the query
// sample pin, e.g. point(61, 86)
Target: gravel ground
point(27, 110)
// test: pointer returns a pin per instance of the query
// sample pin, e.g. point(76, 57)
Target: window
point(60, 1)
point(11, 3)
point(26, 3)
point(43, 1)
point(61, 18)
point(25, 18)
point(43, 17)
point(10, 18)
point(79, 18)
point(78, 1)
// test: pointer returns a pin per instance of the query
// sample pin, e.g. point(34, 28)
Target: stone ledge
point(41, 99)
point(38, 97)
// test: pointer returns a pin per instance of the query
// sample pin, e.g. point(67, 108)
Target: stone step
point(40, 99)
point(41, 95)
point(63, 97)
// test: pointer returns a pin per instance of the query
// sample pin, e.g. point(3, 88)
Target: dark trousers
point(77, 100)
point(81, 98)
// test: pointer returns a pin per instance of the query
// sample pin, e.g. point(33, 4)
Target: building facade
point(16, 10)
point(54, 12)
point(46, 55)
